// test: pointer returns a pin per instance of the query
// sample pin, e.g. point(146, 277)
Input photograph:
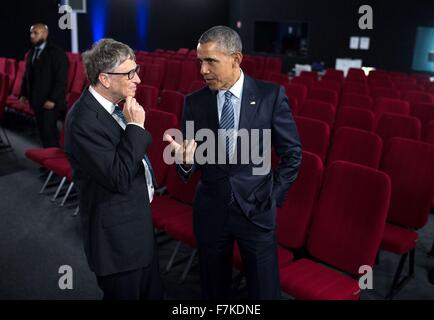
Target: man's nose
point(204, 69)
point(136, 78)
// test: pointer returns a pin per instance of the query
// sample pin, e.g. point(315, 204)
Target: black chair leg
point(399, 283)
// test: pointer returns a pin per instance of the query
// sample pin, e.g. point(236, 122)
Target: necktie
point(120, 114)
point(35, 55)
point(227, 123)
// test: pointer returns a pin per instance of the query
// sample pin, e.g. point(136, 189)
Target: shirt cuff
point(136, 124)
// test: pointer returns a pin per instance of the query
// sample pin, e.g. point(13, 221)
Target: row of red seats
point(352, 205)
point(180, 228)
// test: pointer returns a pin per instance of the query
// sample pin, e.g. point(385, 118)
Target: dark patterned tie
point(35, 55)
point(227, 122)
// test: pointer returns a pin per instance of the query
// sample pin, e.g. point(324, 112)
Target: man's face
point(120, 86)
point(219, 69)
point(38, 35)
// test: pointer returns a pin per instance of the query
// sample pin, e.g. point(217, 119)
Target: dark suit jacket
point(110, 179)
point(257, 195)
point(46, 79)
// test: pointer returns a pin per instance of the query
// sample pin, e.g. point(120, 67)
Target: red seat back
point(172, 102)
point(357, 146)
point(410, 166)
point(394, 125)
point(294, 217)
point(356, 100)
point(153, 76)
point(314, 135)
point(390, 105)
point(189, 73)
point(356, 118)
point(418, 97)
point(350, 215)
point(318, 110)
point(157, 122)
point(147, 96)
point(16, 90)
point(172, 75)
point(297, 91)
point(324, 95)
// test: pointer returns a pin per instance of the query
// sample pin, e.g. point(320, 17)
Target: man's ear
point(104, 80)
point(238, 58)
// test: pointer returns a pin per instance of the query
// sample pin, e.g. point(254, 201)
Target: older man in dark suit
point(107, 150)
point(234, 202)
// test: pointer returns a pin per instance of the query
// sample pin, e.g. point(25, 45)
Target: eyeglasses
point(130, 73)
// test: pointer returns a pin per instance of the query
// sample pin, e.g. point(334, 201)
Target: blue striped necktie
point(121, 116)
point(227, 122)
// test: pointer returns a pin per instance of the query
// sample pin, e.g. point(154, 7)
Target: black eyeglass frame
point(130, 74)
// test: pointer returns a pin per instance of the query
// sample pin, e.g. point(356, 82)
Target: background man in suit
point(114, 178)
point(44, 83)
point(231, 203)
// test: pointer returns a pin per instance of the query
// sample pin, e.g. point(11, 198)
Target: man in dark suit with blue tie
point(107, 151)
point(232, 202)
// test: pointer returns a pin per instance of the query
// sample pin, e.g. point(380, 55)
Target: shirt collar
point(236, 89)
point(41, 46)
point(107, 105)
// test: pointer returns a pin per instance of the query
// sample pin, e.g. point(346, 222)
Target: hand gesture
point(184, 153)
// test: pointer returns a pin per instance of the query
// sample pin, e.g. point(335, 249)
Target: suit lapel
point(249, 108)
point(249, 103)
point(102, 115)
point(211, 112)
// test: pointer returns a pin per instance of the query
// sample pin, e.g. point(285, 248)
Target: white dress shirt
point(110, 108)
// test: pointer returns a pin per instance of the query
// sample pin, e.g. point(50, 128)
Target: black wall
point(332, 23)
point(178, 23)
point(171, 24)
point(16, 17)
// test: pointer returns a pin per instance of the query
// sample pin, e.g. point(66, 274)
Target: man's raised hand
point(184, 153)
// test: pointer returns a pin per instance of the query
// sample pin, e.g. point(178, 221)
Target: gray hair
point(227, 39)
point(104, 56)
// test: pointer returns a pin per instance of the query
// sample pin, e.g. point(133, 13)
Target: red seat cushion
point(398, 240)
point(11, 99)
point(60, 166)
point(165, 209)
point(307, 280)
point(182, 229)
point(39, 155)
point(18, 105)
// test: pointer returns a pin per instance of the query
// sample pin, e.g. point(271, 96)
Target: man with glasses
point(107, 151)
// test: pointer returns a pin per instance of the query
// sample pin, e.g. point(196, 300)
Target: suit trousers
point(258, 249)
point(139, 284)
point(46, 121)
